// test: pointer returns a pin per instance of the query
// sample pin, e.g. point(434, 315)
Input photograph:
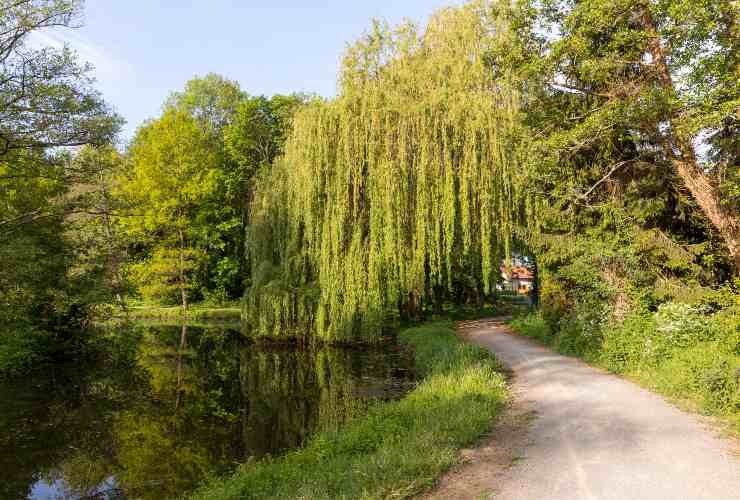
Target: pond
point(167, 406)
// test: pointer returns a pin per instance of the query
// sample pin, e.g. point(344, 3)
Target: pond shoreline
point(175, 313)
point(155, 409)
point(398, 448)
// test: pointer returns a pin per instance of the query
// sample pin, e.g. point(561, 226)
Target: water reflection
point(167, 405)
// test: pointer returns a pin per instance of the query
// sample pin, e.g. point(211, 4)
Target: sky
point(143, 50)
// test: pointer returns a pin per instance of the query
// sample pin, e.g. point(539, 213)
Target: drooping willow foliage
point(389, 192)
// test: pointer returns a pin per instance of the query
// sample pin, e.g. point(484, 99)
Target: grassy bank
point(398, 448)
point(196, 313)
point(686, 353)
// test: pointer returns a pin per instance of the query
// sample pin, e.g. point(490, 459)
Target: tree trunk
point(708, 198)
point(183, 290)
point(535, 293)
point(412, 309)
point(705, 193)
point(438, 296)
point(180, 350)
point(114, 264)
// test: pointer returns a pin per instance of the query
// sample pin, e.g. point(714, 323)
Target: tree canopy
point(46, 95)
point(389, 190)
point(47, 106)
point(657, 86)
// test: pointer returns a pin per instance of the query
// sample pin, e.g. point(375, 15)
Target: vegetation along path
point(597, 436)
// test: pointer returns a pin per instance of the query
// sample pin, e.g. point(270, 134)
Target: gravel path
point(597, 436)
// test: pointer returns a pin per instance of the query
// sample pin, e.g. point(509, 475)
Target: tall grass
point(398, 448)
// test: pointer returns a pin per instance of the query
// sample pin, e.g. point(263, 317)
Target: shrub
point(628, 345)
point(19, 350)
point(532, 325)
point(682, 325)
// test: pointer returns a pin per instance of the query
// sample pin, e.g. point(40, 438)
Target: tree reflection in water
point(166, 405)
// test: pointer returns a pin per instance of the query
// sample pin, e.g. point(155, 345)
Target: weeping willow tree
point(405, 181)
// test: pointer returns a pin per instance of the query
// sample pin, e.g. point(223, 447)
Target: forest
point(595, 140)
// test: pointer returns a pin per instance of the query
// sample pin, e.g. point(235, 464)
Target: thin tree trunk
point(183, 290)
point(114, 264)
point(535, 293)
point(180, 350)
point(707, 196)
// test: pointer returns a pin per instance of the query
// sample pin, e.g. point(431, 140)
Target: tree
point(242, 135)
point(46, 99)
point(253, 141)
point(246, 134)
point(408, 178)
point(173, 173)
point(257, 134)
point(664, 75)
point(47, 104)
point(212, 100)
point(94, 219)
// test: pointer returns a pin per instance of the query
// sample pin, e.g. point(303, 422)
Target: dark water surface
point(165, 406)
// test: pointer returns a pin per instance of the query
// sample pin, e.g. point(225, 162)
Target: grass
point(195, 312)
point(695, 362)
point(397, 449)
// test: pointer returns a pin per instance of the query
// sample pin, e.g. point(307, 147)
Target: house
point(518, 279)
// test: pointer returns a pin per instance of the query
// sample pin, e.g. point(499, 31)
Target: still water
point(166, 406)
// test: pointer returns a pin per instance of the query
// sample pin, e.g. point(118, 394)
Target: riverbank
point(194, 313)
point(398, 448)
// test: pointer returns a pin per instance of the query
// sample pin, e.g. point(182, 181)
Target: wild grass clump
point(398, 448)
point(688, 352)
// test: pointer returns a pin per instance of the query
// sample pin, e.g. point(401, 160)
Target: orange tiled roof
point(520, 272)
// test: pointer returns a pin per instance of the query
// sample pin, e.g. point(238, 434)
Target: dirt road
point(597, 436)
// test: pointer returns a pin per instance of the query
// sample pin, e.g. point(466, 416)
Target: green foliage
point(173, 173)
point(398, 448)
point(50, 277)
point(256, 134)
point(227, 137)
point(532, 325)
point(46, 97)
point(399, 187)
point(158, 277)
point(211, 100)
point(632, 91)
point(20, 349)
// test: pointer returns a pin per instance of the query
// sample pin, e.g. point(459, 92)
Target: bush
point(706, 374)
point(630, 345)
point(19, 350)
point(532, 325)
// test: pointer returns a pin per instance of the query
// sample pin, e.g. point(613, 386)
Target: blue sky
point(144, 49)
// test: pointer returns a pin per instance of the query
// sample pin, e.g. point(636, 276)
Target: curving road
point(597, 436)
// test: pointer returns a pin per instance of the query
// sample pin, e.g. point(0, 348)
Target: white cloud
point(106, 67)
